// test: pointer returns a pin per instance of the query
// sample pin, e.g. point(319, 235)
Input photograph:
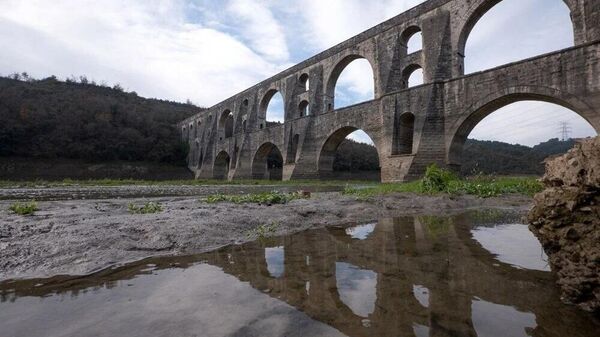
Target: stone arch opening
point(412, 76)
point(404, 129)
point(412, 39)
point(226, 124)
point(351, 81)
point(267, 163)
point(303, 108)
point(272, 107)
point(531, 120)
point(516, 36)
point(304, 82)
point(349, 153)
point(221, 166)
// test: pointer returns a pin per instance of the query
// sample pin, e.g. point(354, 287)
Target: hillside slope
point(54, 119)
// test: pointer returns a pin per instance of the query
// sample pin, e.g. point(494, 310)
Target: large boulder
point(566, 219)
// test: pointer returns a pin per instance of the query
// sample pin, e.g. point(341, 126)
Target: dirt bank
point(566, 219)
point(81, 236)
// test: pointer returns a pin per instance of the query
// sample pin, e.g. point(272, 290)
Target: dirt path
point(81, 236)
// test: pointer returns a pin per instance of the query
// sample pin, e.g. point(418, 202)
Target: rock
point(566, 219)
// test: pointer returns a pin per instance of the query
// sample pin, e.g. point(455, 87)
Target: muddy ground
point(79, 236)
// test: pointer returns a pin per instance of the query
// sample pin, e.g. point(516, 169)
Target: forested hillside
point(502, 158)
point(81, 120)
point(479, 157)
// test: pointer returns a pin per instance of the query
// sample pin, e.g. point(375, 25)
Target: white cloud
point(147, 47)
point(262, 30)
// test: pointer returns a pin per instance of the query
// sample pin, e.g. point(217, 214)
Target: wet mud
point(82, 236)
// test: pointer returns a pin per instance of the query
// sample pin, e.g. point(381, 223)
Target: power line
point(565, 130)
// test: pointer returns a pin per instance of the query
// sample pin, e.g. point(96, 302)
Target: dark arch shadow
point(221, 166)
point(335, 75)
point(480, 111)
point(474, 14)
point(329, 148)
point(267, 163)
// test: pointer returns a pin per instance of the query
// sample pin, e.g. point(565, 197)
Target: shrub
point(147, 208)
point(27, 208)
point(437, 179)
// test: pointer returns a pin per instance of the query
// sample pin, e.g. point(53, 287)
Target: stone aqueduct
point(410, 127)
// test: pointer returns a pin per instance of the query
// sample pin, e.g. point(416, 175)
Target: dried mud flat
point(78, 237)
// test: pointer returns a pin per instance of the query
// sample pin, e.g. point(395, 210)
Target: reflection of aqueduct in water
point(411, 127)
point(437, 254)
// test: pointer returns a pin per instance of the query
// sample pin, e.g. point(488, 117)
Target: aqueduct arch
point(442, 110)
point(459, 132)
point(267, 162)
point(329, 148)
point(221, 166)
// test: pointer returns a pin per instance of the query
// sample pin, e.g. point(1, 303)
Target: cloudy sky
point(208, 50)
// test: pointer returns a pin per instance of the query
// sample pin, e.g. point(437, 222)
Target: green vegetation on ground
point(263, 231)
point(437, 180)
point(258, 198)
point(147, 208)
point(24, 208)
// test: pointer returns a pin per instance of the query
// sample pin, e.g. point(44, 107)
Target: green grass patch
point(438, 181)
point(147, 208)
point(263, 231)
point(24, 208)
point(254, 198)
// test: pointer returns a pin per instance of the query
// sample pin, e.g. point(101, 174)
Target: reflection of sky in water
point(490, 318)
point(513, 244)
point(421, 330)
point(421, 294)
point(198, 301)
point(275, 259)
point(357, 288)
point(361, 232)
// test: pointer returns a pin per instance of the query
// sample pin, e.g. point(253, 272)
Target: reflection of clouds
point(275, 261)
point(361, 232)
point(513, 244)
point(490, 318)
point(201, 300)
point(357, 288)
point(421, 294)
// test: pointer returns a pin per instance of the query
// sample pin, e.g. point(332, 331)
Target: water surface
point(477, 274)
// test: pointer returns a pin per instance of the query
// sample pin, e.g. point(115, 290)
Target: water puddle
point(477, 274)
